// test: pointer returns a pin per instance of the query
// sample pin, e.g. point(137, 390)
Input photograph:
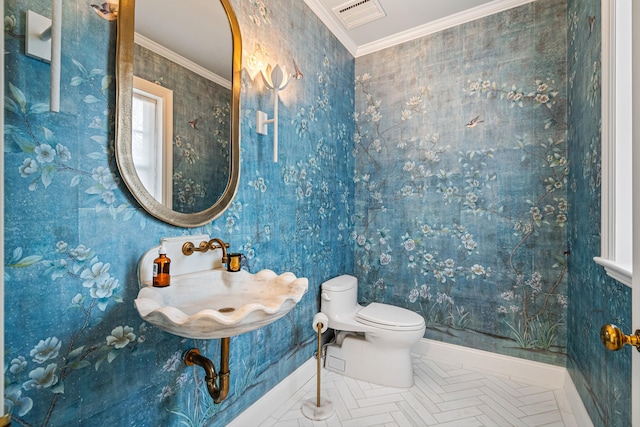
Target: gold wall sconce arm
point(614, 339)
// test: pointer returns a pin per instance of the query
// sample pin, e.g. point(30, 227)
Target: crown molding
point(333, 25)
point(451, 21)
point(161, 50)
point(469, 15)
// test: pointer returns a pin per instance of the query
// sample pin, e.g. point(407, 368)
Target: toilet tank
point(339, 296)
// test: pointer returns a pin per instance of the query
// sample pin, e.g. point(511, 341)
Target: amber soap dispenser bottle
point(161, 265)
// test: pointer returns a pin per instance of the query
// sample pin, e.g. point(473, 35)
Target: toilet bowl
point(373, 343)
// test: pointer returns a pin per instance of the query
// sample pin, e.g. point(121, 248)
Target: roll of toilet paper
point(320, 318)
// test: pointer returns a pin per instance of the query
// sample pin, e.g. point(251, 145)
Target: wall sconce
point(43, 41)
point(276, 78)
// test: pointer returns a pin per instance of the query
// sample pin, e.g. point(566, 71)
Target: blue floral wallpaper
point(201, 130)
point(466, 187)
point(461, 181)
point(595, 299)
point(76, 349)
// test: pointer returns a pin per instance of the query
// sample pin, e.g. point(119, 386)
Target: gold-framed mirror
point(170, 197)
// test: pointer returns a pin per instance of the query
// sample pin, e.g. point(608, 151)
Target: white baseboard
point(575, 402)
point(536, 373)
point(258, 412)
point(531, 372)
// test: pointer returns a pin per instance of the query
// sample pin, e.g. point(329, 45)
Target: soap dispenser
point(161, 265)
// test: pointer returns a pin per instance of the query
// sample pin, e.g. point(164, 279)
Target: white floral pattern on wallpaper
point(76, 348)
point(472, 191)
point(40, 376)
point(461, 193)
point(45, 154)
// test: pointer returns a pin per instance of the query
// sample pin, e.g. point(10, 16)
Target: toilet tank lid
point(389, 316)
point(340, 283)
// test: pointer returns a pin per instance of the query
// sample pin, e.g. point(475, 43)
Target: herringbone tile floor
point(443, 395)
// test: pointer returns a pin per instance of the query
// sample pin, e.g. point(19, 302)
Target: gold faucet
point(189, 248)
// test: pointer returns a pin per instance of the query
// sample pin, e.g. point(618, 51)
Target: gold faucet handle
point(189, 248)
point(614, 339)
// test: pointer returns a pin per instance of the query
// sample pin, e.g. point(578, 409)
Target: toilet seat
point(390, 317)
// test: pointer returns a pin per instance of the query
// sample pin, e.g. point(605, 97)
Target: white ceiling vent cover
point(358, 12)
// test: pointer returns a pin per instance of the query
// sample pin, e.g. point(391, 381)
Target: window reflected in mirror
point(152, 146)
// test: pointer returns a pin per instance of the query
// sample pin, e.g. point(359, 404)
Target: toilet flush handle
point(325, 296)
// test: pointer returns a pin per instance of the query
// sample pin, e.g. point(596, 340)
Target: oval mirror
point(178, 94)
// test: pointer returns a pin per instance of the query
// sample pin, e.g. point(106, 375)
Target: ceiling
point(180, 33)
point(404, 19)
point(199, 33)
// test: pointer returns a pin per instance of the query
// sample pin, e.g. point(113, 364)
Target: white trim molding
point(258, 412)
point(535, 373)
point(472, 14)
point(608, 129)
point(615, 236)
point(614, 270)
point(159, 49)
point(163, 125)
point(333, 25)
point(469, 15)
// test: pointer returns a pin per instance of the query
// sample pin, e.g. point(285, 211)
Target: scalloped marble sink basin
point(216, 303)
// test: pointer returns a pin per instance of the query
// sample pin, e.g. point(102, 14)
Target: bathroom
point(429, 208)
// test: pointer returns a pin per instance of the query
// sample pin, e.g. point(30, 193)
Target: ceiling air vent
point(358, 12)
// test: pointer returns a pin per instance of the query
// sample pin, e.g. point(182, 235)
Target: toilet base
point(353, 356)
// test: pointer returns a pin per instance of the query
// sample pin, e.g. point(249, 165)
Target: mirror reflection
point(185, 100)
point(181, 104)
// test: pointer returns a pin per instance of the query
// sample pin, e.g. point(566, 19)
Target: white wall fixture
point(43, 41)
point(275, 78)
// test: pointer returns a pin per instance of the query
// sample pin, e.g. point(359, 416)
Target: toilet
point(372, 343)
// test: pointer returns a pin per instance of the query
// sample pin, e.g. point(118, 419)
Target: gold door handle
point(5, 420)
point(614, 339)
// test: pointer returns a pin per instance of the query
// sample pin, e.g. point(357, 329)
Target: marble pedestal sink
point(205, 301)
